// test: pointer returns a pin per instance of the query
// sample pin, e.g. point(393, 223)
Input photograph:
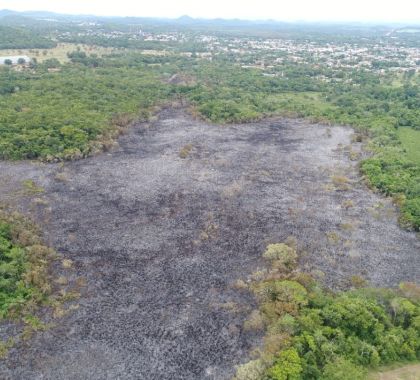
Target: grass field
point(410, 139)
point(59, 52)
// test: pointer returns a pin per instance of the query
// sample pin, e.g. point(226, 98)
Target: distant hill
point(28, 18)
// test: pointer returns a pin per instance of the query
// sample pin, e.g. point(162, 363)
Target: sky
point(286, 10)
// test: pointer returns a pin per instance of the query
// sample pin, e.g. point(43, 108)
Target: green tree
point(288, 366)
point(342, 369)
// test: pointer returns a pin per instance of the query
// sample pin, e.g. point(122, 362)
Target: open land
point(162, 227)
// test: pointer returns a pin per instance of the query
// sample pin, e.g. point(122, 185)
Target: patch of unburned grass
point(185, 151)
point(410, 139)
point(341, 182)
point(347, 204)
point(62, 177)
point(67, 263)
point(353, 155)
point(254, 322)
point(233, 189)
point(348, 226)
point(333, 237)
point(31, 188)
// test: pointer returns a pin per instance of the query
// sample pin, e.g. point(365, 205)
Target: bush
point(342, 369)
point(287, 366)
point(411, 212)
point(24, 278)
point(253, 370)
point(281, 255)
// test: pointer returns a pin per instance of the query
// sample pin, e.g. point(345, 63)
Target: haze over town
point(301, 10)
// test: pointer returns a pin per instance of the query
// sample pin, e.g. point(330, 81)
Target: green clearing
point(410, 139)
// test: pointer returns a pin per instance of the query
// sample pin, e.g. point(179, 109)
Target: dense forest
point(21, 38)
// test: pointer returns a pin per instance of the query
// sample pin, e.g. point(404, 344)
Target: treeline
point(65, 114)
point(227, 93)
point(20, 38)
point(117, 42)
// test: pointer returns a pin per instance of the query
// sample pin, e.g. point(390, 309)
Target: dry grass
point(6, 346)
point(333, 237)
point(240, 285)
point(59, 52)
point(340, 182)
point(347, 204)
point(353, 155)
point(62, 280)
point(253, 370)
point(254, 322)
point(67, 263)
point(347, 226)
point(358, 282)
point(210, 231)
point(185, 151)
point(40, 202)
point(31, 188)
point(62, 177)
point(233, 189)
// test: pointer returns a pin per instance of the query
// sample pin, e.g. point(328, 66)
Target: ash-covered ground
point(160, 241)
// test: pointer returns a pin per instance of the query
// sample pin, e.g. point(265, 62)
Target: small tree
point(342, 369)
point(288, 366)
point(21, 61)
point(8, 62)
point(282, 256)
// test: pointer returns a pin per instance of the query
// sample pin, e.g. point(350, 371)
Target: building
point(14, 59)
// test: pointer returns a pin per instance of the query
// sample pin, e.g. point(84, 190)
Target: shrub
point(254, 321)
point(282, 256)
point(340, 182)
point(185, 151)
point(24, 278)
point(288, 366)
point(342, 369)
point(253, 370)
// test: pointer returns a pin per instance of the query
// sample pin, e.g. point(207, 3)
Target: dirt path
point(161, 240)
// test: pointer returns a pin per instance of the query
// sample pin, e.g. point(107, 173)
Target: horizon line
point(263, 20)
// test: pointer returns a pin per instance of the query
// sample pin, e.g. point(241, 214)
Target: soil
point(162, 228)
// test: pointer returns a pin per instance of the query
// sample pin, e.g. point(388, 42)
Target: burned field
point(162, 228)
